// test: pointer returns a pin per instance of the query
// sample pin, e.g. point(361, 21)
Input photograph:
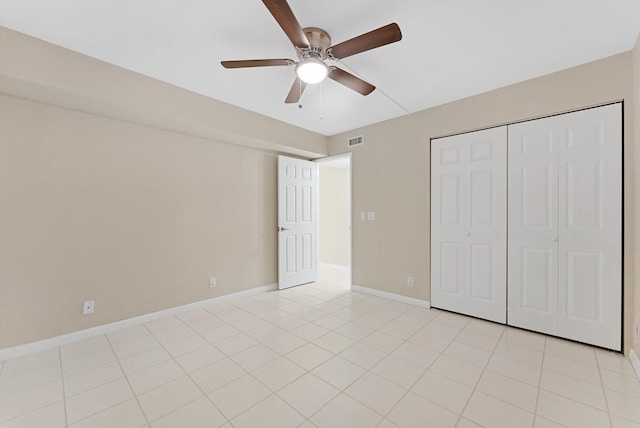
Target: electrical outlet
point(635, 333)
point(88, 307)
point(212, 282)
point(409, 281)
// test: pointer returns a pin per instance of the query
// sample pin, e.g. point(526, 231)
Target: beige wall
point(636, 127)
point(125, 190)
point(34, 69)
point(334, 216)
point(390, 172)
point(132, 217)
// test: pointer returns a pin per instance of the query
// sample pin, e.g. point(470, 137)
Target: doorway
point(334, 218)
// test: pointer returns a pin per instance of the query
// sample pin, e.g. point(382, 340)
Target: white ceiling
point(450, 49)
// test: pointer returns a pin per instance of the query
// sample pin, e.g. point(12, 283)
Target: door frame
point(329, 159)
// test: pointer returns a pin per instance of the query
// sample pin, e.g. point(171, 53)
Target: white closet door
point(565, 226)
point(590, 217)
point(468, 223)
point(533, 225)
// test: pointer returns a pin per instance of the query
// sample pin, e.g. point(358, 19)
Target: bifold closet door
point(565, 226)
point(590, 220)
point(468, 223)
point(533, 225)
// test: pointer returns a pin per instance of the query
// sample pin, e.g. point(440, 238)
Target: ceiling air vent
point(355, 141)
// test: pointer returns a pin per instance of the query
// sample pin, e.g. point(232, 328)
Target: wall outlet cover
point(212, 282)
point(88, 307)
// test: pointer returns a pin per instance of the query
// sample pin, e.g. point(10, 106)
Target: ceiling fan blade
point(373, 39)
point(351, 81)
point(284, 16)
point(296, 91)
point(256, 63)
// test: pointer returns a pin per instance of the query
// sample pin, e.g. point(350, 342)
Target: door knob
point(282, 229)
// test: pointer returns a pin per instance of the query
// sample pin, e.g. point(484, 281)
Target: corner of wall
point(636, 239)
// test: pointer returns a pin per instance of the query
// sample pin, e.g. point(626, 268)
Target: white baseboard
point(336, 267)
point(635, 362)
point(52, 342)
point(392, 296)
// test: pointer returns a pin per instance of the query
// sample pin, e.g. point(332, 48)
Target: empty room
point(319, 214)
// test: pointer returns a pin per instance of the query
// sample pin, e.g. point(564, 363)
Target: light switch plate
point(371, 215)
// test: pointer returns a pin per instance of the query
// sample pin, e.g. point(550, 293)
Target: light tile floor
point(319, 355)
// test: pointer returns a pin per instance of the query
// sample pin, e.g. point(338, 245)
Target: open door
point(297, 222)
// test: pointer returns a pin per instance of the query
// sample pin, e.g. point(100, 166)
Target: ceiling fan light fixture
point(312, 70)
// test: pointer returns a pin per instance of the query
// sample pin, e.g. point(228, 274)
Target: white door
point(533, 225)
point(297, 222)
point(468, 223)
point(565, 226)
point(590, 219)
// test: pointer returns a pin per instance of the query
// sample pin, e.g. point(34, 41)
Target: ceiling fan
point(313, 46)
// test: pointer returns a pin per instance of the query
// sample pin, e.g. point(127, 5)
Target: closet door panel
point(533, 226)
point(590, 216)
point(468, 224)
point(448, 237)
point(487, 220)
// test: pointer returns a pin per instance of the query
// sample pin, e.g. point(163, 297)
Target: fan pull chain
point(321, 100)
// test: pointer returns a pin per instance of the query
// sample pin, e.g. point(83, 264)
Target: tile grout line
point(342, 390)
point(64, 395)
point(185, 373)
point(204, 394)
point(126, 378)
point(37, 408)
point(577, 401)
point(105, 409)
point(535, 414)
point(275, 393)
point(473, 390)
point(606, 400)
point(272, 393)
point(407, 390)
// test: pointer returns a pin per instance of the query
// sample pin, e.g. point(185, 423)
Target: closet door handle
point(555, 239)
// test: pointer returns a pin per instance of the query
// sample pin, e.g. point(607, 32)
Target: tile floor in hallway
point(319, 355)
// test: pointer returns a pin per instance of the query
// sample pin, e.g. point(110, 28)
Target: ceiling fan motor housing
point(319, 42)
point(317, 37)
